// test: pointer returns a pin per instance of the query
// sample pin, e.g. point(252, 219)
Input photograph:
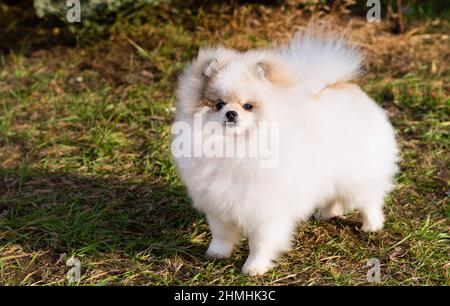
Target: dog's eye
point(220, 105)
point(247, 106)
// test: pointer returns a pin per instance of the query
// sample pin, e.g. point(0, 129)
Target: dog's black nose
point(231, 116)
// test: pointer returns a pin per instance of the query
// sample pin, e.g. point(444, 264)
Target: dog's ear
point(275, 72)
point(262, 70)
point(211, 68)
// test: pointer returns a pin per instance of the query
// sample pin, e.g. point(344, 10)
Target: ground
point(85, 167)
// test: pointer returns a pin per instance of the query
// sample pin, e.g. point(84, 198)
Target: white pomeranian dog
point(336, 148)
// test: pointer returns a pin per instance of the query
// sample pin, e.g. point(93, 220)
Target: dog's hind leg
point(370, 201)
point(372, 215)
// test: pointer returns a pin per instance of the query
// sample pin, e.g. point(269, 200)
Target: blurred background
point(85, 167)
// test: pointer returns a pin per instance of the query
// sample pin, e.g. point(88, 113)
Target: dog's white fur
point(337, 147)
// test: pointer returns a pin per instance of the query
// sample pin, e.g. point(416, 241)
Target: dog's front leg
point(266, 243)
point(224, 236)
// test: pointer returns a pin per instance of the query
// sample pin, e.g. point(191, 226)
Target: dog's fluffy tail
point(322, 58)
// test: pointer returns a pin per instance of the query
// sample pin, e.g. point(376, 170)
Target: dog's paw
point(372, 227)
point(373, 224)
point(255, 267)
point(219, 250)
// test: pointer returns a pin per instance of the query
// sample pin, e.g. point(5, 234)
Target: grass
point(85, 167)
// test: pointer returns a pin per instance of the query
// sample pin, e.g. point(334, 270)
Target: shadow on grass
point(27, 32)
point(73, 214)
